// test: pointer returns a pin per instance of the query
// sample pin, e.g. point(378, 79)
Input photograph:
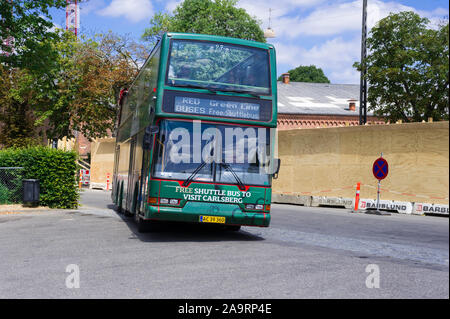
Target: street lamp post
point(363, 79)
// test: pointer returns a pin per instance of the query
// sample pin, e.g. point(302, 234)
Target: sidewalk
point(18, 208)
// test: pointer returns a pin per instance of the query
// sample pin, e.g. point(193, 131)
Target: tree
point(216, 17)
point(407, 69)
point(85, 91)
point(77, 92)
point(16, 115)
point(26, 30)
point(100, 68)
point(307, 74)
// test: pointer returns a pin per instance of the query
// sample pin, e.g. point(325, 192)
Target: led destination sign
point(221, 108)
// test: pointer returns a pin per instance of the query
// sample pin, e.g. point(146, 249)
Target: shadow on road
point(177, 231)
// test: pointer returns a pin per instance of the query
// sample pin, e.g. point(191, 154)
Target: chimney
point(352, 105)
point(285, 78)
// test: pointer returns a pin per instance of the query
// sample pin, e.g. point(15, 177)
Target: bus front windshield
point(219, 66)
point(211, 152)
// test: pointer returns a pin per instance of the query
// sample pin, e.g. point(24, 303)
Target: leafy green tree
point(16, 104)
point(27, 30)
point(85, 92)
point(159, 24)
point(77, 92)
point(408, 69)
point(205, 63)
point(216, 17)
point(307, 74)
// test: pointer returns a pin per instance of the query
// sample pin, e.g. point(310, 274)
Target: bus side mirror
point(150, 131)
point(276, 167)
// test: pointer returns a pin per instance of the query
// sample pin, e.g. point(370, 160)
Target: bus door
point(114, 188)
point(130, 182)
point(143, 183)
point(147, 148)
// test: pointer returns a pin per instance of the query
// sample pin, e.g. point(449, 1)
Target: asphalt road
point(305, 253)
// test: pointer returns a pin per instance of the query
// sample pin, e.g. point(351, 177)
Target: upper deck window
point(219, 66)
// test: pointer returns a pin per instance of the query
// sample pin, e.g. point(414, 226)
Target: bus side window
point(122, 102)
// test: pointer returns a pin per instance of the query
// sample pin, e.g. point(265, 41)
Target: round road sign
point(380, 168)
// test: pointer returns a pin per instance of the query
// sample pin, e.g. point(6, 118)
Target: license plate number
point(212, 219)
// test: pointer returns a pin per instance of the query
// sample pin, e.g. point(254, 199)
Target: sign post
point(380, 170)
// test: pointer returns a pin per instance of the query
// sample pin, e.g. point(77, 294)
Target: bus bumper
point(192, 211)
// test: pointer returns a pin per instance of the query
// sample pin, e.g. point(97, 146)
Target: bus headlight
point(254, 206)
point(169, 201)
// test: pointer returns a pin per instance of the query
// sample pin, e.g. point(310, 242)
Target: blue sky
point(320, 32)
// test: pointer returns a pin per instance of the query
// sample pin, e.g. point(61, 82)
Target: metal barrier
point(11, 189)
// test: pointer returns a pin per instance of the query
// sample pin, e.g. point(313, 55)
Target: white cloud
point(337, 18)
point(436, 16)
point(260, 8)
point(333, 26)
point(335, 57)
point(171, 5)
point(327, 19)
point(91, 5)
point(132, 10)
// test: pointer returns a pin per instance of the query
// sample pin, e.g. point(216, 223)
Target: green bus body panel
point(192, 212)
point(148, 110)
point(165, 47)
point(212, 200)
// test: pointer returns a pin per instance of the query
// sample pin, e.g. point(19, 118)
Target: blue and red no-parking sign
point(380, 168)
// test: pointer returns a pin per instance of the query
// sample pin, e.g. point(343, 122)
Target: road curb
point(407, 208)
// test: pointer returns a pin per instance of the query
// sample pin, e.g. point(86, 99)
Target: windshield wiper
point(215, 89)
point(245, 92)
point(228, 167)
point(195, 87)
point(241, 185)
point(191, 177)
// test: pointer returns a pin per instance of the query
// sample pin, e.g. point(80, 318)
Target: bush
point(55, 169)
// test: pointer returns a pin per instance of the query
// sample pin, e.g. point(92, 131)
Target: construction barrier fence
point(328, 162)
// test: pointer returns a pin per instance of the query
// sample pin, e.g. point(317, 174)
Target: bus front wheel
point(142, 225)
point(145, 226)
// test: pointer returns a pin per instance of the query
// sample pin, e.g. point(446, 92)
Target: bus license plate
point(212, 219)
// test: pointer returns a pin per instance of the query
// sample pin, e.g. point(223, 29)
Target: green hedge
point(55, 169)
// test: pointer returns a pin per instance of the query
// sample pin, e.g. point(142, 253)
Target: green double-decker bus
point(195, 137)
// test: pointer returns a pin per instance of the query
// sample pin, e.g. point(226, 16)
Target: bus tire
point(233, 227)
point(134, 205)
point(145, 226)
point(142, 225)
point(127, 213)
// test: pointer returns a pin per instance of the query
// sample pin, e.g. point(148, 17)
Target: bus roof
point(208, 37)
